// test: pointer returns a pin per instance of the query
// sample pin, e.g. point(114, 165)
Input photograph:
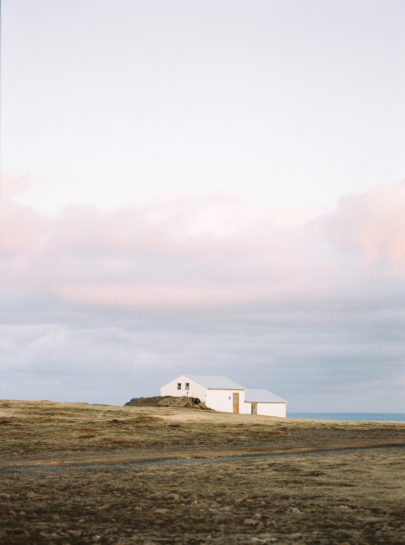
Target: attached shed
point(223, 394)
point(264, 402)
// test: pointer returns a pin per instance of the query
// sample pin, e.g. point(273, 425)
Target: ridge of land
point(32, 428)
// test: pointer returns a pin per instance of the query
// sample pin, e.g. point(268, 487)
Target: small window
point(179, 385)
point(187, 386)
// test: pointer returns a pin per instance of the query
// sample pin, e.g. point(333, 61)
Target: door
point(236, 403)
point(253, 408)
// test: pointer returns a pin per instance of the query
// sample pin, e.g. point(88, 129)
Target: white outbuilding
point(223, 394)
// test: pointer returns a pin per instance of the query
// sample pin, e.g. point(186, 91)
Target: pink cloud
point(22, 230)
point(199, 251)
point(373, 224)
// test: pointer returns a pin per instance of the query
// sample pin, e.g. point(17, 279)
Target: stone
point(74, 533)
point(251, 522)
point(294, 510)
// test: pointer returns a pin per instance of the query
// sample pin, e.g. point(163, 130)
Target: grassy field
point(48, 428)
point(79, 473)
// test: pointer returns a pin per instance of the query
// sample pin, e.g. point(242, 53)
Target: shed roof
point(262, 396)
point(223, 383)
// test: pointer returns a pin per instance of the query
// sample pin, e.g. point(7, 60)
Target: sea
point(352, 417)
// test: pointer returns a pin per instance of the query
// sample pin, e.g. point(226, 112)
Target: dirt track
point(80, 459)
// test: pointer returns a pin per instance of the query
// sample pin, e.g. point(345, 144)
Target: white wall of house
point(195, 389)
point(272, 409)
point(222, 400)
point(245, 407)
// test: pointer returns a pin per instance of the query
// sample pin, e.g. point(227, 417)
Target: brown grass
point(34, 428)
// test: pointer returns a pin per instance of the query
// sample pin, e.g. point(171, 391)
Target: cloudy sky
point(212, 187)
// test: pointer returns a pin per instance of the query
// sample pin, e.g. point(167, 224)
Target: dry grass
point(29, 427)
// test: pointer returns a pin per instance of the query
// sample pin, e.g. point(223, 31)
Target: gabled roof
point(262, 396)
point(223, 383)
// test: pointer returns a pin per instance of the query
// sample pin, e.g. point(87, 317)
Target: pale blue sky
point(290, 103)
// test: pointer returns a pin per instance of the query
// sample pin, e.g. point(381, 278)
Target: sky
point(206, 187)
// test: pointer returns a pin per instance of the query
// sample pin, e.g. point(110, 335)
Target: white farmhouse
point(223, 394)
